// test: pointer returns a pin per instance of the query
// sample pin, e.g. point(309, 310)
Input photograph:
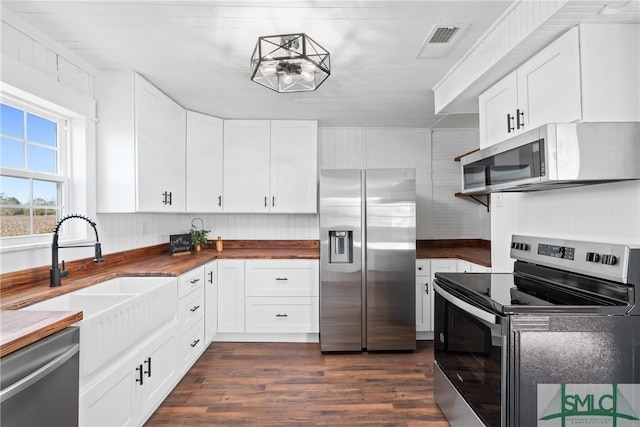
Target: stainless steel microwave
point(555, 155)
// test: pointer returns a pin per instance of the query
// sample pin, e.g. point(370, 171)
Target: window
point(32, 170)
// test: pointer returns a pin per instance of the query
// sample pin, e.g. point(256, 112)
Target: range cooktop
point(554, 275)
point(505, 293)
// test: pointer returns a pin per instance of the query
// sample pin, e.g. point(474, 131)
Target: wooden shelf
point(457, 159)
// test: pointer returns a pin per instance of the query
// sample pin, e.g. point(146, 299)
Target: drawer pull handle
point(281, 278)
point(194, 281)
point(194, 308)
point(195, 343)
point(282, 315)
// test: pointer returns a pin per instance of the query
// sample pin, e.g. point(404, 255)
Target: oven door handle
point(465, 306)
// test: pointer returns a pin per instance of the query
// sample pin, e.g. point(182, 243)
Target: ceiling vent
point(442, 34)
point(439, 41)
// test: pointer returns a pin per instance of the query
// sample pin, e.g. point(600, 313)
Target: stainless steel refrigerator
point(367, 259)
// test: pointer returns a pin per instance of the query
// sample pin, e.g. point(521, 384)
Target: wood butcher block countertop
point(18, 329)
point(26, 287)
point(473, 250)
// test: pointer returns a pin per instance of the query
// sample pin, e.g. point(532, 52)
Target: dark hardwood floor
point(276, 384)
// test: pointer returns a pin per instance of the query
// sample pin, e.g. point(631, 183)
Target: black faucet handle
point(63, 271)
point(98, 252)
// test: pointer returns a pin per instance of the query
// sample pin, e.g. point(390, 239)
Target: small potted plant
point(198, 237)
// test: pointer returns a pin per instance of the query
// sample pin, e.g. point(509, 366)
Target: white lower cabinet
point(192, 345)
point(110, 402)
point(230, 295)
point(191, 309)
point(128, 390)
point(273, 300)
point(423, 296)
point(156, 373)
point(127, 394)
point(210, 301)
point(426, 270)
point(282, 314)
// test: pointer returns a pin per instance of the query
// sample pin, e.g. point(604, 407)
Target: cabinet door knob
point(211, 277)
point(281, 278)
point(509, 123)
point(426, 288)
point(265, 201)
point(219, 200)
point(194, 308)
point(195, 343)
point(282, 315)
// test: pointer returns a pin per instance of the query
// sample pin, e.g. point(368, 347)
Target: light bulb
point(286, 79)
point(309, 66)
point(307, 76)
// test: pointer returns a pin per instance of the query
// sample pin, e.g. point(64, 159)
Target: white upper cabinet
point(586, 75)
point(270, 166)
point(246, 165)
point(204, 163)
point(495, 108)
point(294, 166)
point(141, 139)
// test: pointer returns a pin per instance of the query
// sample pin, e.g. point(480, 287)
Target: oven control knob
point(609, 259)
point(593, 257)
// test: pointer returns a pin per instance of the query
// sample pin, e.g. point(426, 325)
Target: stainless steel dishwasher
point(39, 383)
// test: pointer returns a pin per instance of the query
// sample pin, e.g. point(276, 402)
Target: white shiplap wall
point(454, 217)
point(601, 213)
point(39, 52)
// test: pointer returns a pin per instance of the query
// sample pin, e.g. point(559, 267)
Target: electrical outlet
point(497, 198)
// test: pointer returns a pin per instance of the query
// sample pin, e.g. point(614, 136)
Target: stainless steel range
point(555, 343)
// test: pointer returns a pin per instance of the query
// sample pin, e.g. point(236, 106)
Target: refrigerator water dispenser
point(340, 247)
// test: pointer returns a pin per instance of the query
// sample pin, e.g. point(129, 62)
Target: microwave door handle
point(466, 307)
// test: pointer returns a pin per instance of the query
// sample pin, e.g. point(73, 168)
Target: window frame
point(64, 175)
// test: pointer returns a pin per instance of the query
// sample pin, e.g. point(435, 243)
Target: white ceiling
point(198, 52)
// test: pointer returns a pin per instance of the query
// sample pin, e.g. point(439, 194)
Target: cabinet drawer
point(423, 267)
point(190, 281)
point(282, 278)
point(191, 309)
point(282, 314)
point(191, 346)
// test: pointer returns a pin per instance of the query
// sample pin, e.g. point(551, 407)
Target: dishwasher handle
point(36, 376)
point(466, 307)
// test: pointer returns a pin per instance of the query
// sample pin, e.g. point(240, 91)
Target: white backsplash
point(120, 232)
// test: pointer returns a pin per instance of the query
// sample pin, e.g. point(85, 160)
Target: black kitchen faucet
point(56, 273)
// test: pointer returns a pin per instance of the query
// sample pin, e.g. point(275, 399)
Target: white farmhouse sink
point(126, 285)
point(90, 305)
point(117, 314)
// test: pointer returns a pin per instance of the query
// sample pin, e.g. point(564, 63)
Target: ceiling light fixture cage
point(289, 63)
